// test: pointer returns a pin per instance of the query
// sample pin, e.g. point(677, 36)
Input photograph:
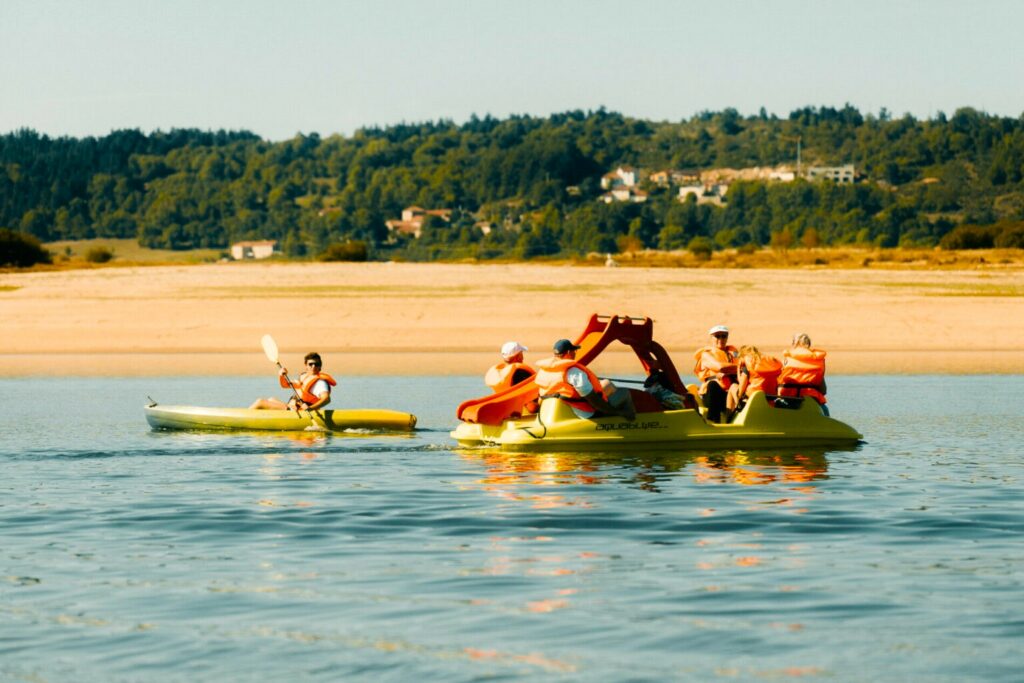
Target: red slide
point(601, 330)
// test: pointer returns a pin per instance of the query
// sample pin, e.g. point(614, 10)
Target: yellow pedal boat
point(556, 427)
point(244, 419)
point(503, 419)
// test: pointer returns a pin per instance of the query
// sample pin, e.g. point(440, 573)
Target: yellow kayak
point(556, 427)
point(244, 419)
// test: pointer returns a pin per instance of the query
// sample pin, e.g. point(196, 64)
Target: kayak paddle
point(270, 348)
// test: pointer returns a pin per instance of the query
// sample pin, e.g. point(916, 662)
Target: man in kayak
point(575, 384)
point(716, 369)
point(312, 390)
point(511, 370)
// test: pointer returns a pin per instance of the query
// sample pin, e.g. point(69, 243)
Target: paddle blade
point(270, 348)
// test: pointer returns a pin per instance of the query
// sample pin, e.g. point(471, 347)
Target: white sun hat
point(512, 348)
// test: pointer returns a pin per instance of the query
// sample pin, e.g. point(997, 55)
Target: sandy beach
point(391, 318)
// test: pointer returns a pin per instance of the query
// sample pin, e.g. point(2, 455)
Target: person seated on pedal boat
point(511, 370)
point(756, 372)
point(578, 386)
point(716, 369)
point(312, 389)
point(658, 385)
point(803, 371)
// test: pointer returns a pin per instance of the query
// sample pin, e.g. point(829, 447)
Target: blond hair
point(753, 353)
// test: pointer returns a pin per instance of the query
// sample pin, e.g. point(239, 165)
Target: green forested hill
point(536, 179)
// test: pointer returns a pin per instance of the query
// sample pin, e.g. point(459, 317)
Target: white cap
point(717, 329)
point(512, 348)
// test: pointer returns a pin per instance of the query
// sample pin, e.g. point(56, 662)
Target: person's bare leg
point(268, 404)
point(733, 399)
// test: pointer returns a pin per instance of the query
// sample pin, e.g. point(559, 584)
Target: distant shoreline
point(400, 363)
point(70, 255)
point(424, 319)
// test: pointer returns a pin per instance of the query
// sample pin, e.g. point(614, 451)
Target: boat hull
point(244, 419)
point(557, 428)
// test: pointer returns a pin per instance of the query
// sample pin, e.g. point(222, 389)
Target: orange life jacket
point(551, 381)
point(803, 373)
point(502, 376)
point(305, 385)
point(724, 356)
point(764, 376)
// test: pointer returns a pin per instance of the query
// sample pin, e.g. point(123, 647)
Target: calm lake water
point(132, 555)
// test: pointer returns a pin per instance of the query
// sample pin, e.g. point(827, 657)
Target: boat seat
point(645, 403)
point(786, 402)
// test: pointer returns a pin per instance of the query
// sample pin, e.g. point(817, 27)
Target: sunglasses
point(313, 364)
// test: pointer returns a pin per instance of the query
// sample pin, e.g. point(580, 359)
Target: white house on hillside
point(252, 250)
point(624, 176)
point(837, 174)
point(624, 194)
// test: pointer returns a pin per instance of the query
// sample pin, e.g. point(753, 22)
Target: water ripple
point(134, 555)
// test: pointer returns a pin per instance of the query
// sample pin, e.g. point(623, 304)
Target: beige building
point(624, 194)
point(241, 251)
point(413, 218)
point(623, 176)
point(670, 177)
point(837, 174)
point(712, 193)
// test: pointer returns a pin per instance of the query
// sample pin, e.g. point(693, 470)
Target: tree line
point(536, 180)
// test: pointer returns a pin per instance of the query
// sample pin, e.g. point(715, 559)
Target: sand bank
point(386, 318)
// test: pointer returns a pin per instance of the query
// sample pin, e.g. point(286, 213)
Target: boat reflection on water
point(509, 475)
point(648, 470)
point(760, 468)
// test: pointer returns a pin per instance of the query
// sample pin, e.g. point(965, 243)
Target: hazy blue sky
point(86, 67)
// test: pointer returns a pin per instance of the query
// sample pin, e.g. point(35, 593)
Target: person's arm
point(598, 403)
point(712, 363)
point(744, 376)
point(323, 399)
point(593, 395)
point(285, 384)
point(323, 396)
